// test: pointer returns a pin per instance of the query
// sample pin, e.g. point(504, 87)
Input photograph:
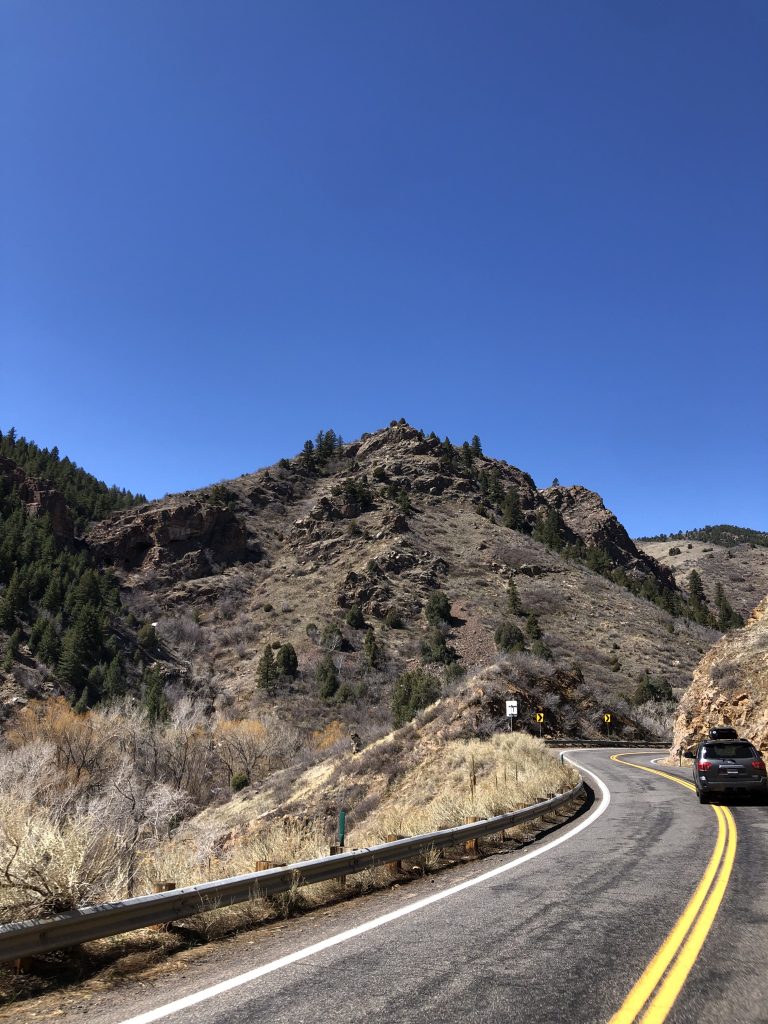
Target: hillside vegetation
point(732, 574)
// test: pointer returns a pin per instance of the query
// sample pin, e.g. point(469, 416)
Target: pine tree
point(12, 649)
point(72, 668)
point(154, 700)
point(513, 599)
point(437, 608)
point(49, 649)
point(266, 671)
point(371, 650)
point(549, 529)
point(727, 618)
point(286, 662)
point(355, 617)
point(81, 705)
point(435, 648)
point(307, 457)
point(412, 692)
point(512, 513)
point(508, 637)
point(114, 680)
point(532, 627)
point(477, 448)
point(327, 677)
point(696, 588)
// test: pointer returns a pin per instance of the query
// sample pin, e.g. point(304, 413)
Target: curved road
point(562, 931)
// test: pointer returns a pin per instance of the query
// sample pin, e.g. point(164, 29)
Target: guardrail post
point(472, 846)
point(335, 851)
point(162, 886)
point(394, 867)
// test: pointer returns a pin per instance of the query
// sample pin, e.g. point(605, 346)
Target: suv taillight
point(704, 765)
point(759, 766)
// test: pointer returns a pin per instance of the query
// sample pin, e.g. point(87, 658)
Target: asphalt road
point(559, 936)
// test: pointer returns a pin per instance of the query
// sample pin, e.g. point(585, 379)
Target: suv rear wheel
point(703, 798)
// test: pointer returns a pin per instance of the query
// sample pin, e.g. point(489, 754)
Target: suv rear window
point(724, 748)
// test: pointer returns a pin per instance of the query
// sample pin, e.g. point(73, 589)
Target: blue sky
point(226, 225)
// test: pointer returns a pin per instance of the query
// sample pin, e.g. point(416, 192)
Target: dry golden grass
point(453, 782)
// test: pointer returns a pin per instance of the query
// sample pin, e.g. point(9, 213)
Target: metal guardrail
point(565, 742)
point(29, 938)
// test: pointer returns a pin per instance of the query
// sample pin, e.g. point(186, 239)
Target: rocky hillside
point(730, 687)
point(739, 563)
point(337, 552)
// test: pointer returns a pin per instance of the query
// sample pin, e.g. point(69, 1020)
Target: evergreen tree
point(114, 680)
point(513, 599)
point(437, 608)
point(696, 588)
point(697, 601)
point(307, 457)
point(508, 637)
point(512, 513)
point(49, 649)
point(154, 699)
point(81, 704)
point(327, 677)
point(371, 650)
point(11, 649)
point(727, 618)
point(549, 529)
point(532, 627)
point(72, 668)
point(495, 486)
point(266, 670)
point(435, 648)
point(354, 617)
point(476, 446)
point(286, 662)
point(412, 692)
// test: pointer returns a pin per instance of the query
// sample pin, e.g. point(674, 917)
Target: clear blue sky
point(226, 225)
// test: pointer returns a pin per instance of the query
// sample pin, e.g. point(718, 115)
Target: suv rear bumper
point(742, 786)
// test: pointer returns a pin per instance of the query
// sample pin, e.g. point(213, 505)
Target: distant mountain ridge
point(724, 535)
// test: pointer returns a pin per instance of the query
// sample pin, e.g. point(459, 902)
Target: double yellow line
point(657, 988)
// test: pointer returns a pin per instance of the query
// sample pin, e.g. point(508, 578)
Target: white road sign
point(511, 708)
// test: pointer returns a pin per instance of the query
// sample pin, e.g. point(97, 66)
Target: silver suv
point(728, 765)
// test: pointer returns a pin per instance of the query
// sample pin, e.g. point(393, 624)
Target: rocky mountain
point(730, 687)
point(337, 553)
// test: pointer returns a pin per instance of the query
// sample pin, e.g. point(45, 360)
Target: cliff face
point(730, 687)
point(183, 539)
point(39, 499)
point(587, 517)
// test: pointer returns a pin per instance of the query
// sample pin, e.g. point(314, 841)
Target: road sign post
point(512, 711)
point(540, 720)
point(607, 721)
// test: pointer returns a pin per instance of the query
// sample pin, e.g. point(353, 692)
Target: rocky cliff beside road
point(730, 687)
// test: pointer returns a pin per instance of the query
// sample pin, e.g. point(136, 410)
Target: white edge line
point(243, 979)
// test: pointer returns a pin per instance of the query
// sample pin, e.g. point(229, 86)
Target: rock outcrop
point(186, 540)
point(730, 687)
point(585, 515)
point(40, 499)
